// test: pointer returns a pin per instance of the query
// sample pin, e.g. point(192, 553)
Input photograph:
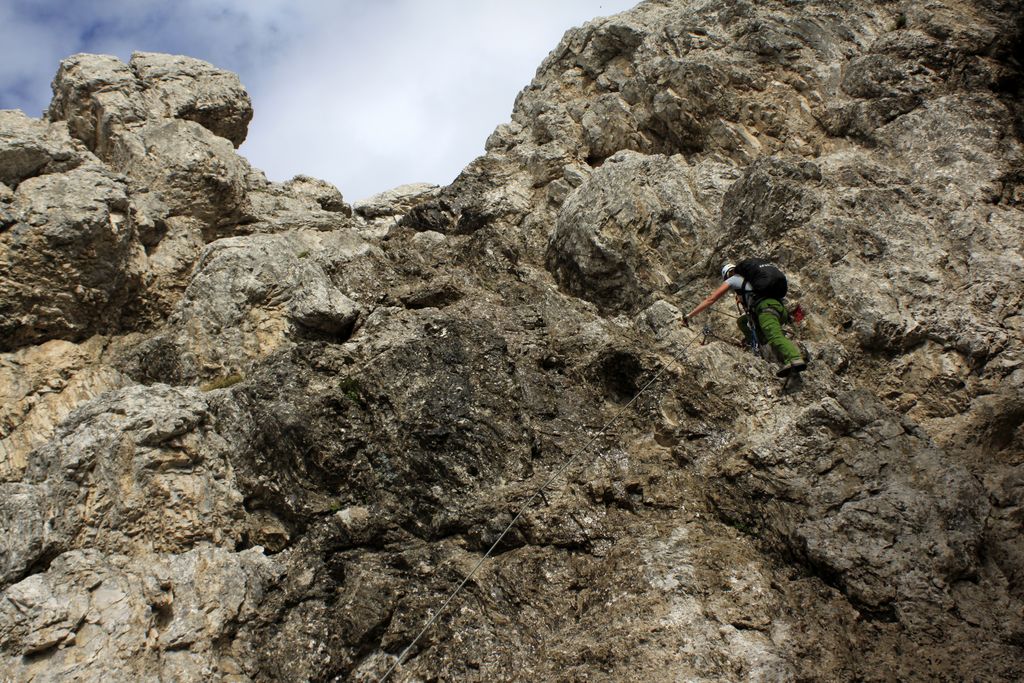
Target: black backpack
point(767, 280)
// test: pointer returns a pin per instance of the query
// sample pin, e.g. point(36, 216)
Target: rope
point(710, 334)
point(539, 493)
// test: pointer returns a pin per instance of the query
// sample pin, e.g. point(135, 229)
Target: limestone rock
point(41, 385)
point(70, 259)
point(775, 195)
point(250, 296)
point(177, 87)
point(377, 400)
point(194, 172)
point(96, 94)
point(29, 148)
point(322, 192)
point(302, 203)
point(434, 391)
point(169, 264)
point(488, 190)
point(382, 213)
point(171, 125)
point(109, 616)
point(395, 202)
point(633, 227)
point(856, 536)
point(137, 470)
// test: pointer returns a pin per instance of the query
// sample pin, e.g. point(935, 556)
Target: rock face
point(41, 386)
point(631, 225)
point(98, 94)
point(113, 617)
point(250, 296)
point(99, 481)
point(70, 257)
point(252, 433)
point(137, 163)
point(29, 148)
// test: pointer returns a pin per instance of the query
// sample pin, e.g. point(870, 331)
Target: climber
point(760, 288)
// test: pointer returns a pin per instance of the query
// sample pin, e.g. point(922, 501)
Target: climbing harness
point(539, 494)
point(753, 343)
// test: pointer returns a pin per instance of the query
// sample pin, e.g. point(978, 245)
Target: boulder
point(302, 203)
point(634, 227)
point(97, 94)
point(250, 296)
point(395, 202)
point(30, 148)
point(192, 171)
point(326, 196)
point(40, 386)
point(177, 87)
point(70, 259)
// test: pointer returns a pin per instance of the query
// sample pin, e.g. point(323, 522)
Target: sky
point(366, 94)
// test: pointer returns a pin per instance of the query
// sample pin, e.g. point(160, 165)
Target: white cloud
point(406, 92)
point(367, 95)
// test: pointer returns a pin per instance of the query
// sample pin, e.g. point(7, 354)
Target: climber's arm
point(712, 298)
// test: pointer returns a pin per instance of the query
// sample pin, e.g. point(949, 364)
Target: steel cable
point(539, 493)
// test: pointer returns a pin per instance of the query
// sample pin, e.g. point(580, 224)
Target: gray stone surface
point(70, 259)
point(250, 296)
point(327, 196)
point(40, 386)
point(302, 203)
point(151, 617)
point(395, 202)
point(360, 404)
point(177, 87)
point(30, 148)
point(193, 172)
point(97, 94)
point(633, 226)
point(138, 470)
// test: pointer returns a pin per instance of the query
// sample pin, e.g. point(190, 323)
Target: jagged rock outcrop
point(97, 94)
point(631, 226)
point(385, 210)
point(70, 257)
point(250, 296)
point(194, 172)
point(167, 127)
point(395, 202)
point(114, 617)
point(29, 148)
point(41, 385)
point(305, 423)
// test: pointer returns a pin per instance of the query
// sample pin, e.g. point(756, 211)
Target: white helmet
point(727, 270)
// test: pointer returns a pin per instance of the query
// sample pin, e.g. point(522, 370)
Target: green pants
point(771, 314)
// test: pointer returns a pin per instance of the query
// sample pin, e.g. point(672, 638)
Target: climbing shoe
point(789, 368)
